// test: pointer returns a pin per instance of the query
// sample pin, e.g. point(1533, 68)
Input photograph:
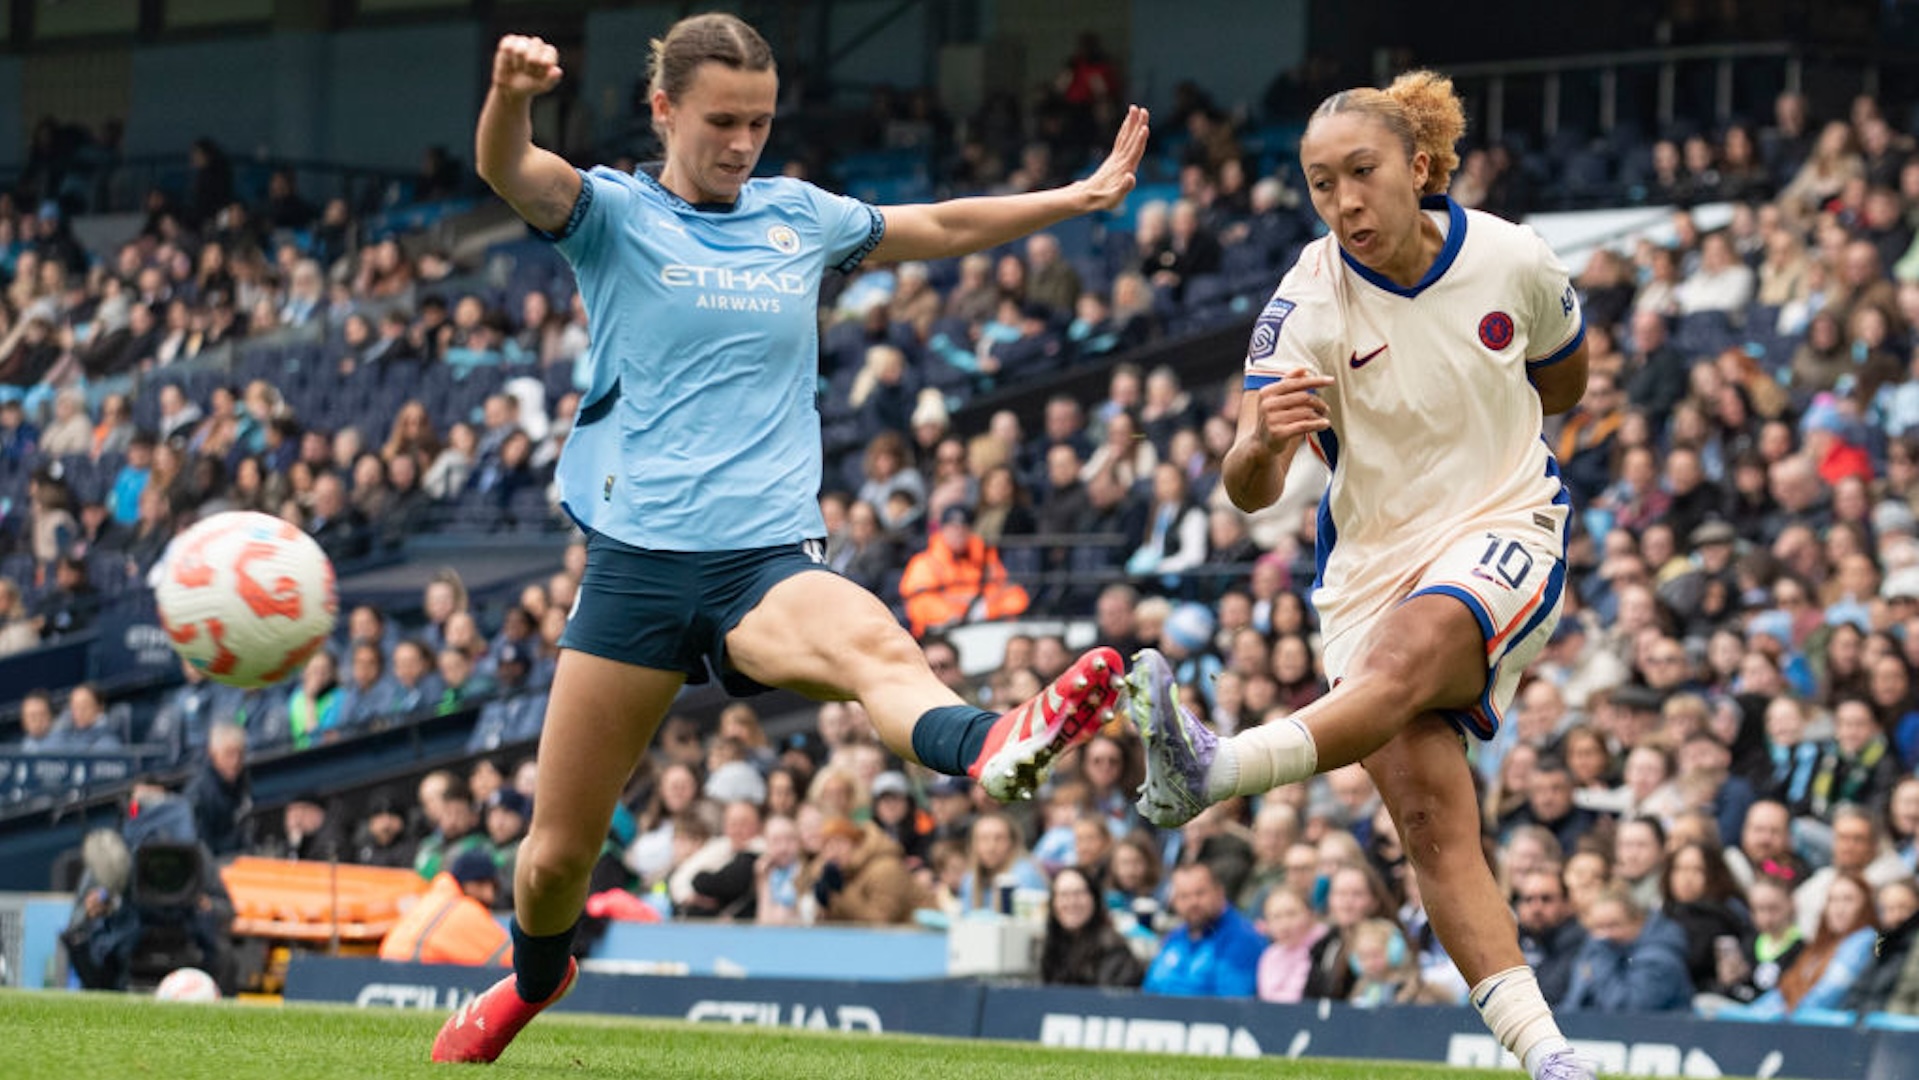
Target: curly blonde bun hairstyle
point(1422, 109)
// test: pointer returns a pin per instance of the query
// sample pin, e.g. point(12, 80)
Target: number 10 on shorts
point(1505, 562)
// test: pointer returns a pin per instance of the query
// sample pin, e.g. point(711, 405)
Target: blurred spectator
point(1296, 934)
point(1831, 162)
point(859, 876)
point(306, 832)
point(1857, 851)
point(516, 715)
point(1774, 945)
point(1639, 852)
point(997, 860)
point(37, 734)
point(721, 884)
point(1081, 946)
point(1176, 532)
point(1700, 896)
point(957, 579)
point(1857, 766)
point(1214, 951)
point(311, 713)
point(1388, 972)
point(190, 711)
point(452, 923)
point(1632, 961)
point(456, 831)
point(416, 686)
point(1549, 804)
point(776, 874)
point(1722, 283)
point(1765, 847)
point(220, 792)
point(71, 432)
point(1550, 934)
point(508, 813)
point(1187, 250)
point(19, 438)
point(1051, 280)
point(1353, 894)
point(1889, 983)
point(381, 838)
point(460, 685)
point(368, 693)
point(1833, 958)
point(896, 815)
point(86, 725)
point(1656, 371)
point(650, 854)
point(335, 523)
point(284, 208)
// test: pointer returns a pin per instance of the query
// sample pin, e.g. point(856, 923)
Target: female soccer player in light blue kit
point(694, 464)
point(1414, 349)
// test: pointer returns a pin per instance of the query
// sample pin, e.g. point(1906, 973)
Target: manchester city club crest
point(783, 238)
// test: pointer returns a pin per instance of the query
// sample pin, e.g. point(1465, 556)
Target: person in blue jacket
point(1633, 961)
point(1214, 952)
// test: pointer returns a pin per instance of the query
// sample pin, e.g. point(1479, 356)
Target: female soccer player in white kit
point(694, 465)
point(1415, 349)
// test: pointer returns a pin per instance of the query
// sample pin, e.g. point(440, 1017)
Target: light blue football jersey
point(699, 430)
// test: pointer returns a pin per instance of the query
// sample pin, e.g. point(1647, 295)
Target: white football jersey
point(1435, 426)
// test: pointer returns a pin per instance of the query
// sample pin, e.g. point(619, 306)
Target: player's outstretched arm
point(538, 184)
point(1272, 420)
point(960, 226)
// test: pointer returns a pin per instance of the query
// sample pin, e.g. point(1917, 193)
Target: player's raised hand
point(1110, 183)
point(525, 66)
point(1292, 407)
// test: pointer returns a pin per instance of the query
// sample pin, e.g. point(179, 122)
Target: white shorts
point(1512, 583)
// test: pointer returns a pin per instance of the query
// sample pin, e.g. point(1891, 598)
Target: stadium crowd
point(1706, 797)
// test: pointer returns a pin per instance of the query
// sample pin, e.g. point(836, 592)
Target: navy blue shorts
point(672, 610)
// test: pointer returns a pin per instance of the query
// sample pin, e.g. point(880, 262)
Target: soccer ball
point(187, 984)
point(246, 598)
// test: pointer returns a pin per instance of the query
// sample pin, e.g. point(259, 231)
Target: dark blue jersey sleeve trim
point(1562, 352)
point(874, 234)
point(580, 206)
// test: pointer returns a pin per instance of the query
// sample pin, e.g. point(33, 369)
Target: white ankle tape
point(1517, 1014)
point(1265, 757)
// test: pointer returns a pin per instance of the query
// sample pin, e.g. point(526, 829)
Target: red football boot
point(484, 1026)
point(1022, 744)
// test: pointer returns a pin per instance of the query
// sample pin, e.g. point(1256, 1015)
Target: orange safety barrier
point(301, 901)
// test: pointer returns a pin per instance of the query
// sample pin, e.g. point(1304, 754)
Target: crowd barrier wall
point(1658, 1046)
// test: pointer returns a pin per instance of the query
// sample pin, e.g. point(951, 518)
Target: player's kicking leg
point(826, 637)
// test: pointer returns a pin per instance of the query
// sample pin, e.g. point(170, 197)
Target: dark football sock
point(950, 737)
point(540, 962)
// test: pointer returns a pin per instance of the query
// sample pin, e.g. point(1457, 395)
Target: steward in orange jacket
point(957, 578)
point(450, 923)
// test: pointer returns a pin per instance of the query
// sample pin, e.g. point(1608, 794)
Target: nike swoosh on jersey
point(1359, 361)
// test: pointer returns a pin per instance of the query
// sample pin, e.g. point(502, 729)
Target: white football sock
point(1517, 1014)
point(1260, 759)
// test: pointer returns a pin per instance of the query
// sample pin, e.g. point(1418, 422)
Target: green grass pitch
point(62, 1036)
